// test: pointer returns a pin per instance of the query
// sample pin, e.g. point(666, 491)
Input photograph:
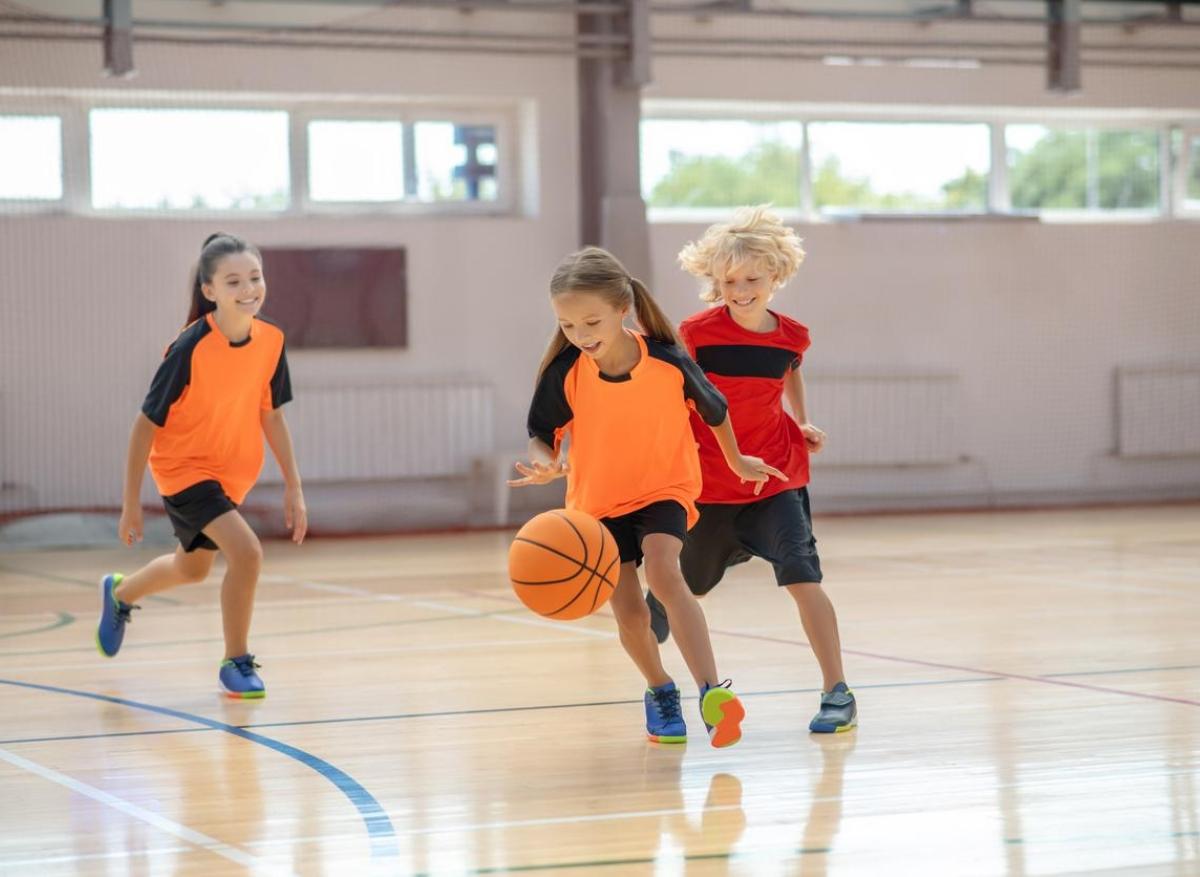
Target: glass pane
point(909, 166)
point(179, 159)
point(355, 161)
point(1082, 169)
point(456, 162)
point(31, 158)
point(720, 162)
point(1128, 169)
point(1193, 180)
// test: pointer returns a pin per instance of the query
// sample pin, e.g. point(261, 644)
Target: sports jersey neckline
point(629, 375)
point(778, 323)
point(212, 324)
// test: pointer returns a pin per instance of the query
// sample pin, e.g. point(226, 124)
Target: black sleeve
point(281, 381)
point(709, 402)
point(697, 388)
point(169, 382)
point(550, 411)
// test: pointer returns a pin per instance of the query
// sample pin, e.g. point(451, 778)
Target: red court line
point(965, 669)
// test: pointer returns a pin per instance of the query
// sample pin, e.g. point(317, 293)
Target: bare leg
point(821, 628)
point(633, 623)
point(688, 624)
point(243, 557)
point(166, 572)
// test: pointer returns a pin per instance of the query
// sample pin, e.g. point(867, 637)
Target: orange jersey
point(630, 439)
point(207, 399)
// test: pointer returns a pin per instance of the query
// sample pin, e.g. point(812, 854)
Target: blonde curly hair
point(755, 233)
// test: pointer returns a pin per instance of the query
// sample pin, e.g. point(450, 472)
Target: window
point(189, 159)
point(721, 162)
point(1082, 168)
point(31, 158)
point(901, 166)
point(1191, 169)
point(455, 162)
point(355, 161)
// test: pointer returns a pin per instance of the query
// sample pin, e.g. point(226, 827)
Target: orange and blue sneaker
point(114, 615)
point(664, 718)
point(838, 712)
point(239, 680)
point(722, 713)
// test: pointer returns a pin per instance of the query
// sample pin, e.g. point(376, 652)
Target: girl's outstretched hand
point(295, 513)
point(538, 473)
point(129, 529)
point(756, 470)
point(813, 437)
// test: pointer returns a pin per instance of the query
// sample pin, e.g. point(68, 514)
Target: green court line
point(67, 580)
point(64, 618)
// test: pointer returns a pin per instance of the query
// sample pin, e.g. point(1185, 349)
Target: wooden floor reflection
point(1029, 687)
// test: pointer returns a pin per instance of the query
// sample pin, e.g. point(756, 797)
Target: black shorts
point(664, 516)
point(193, 509)
point(778, 529)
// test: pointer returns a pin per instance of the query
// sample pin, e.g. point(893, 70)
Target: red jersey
point(749, 369)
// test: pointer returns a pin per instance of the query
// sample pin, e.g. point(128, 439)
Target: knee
point(246, 556)
point(666, 581)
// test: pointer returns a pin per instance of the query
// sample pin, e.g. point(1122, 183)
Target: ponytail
point(215, 248)
point(654, 322)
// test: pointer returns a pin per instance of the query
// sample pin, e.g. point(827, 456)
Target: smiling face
point(746, 289)
point(237, 285)
point(589, 321)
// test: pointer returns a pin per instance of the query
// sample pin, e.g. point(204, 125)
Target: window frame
point(1189, 135)
point(1172, 169)
point(43, 108)
point(503, 121)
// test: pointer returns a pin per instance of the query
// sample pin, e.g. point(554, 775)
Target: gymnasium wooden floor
point(1029, 687)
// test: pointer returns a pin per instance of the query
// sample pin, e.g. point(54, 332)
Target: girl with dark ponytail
point(217, 393)
point(624, 399)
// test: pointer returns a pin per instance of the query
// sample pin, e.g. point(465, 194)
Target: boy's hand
point(538, 473)
point(754, 469)
point(295, 513)
point(813, 437)
point(129, 528)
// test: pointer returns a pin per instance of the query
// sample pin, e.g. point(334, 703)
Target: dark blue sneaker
point(664, 718)
point(114, 615)
point(658, 619)
point(722, 713)
point(838, 712)
point(239, 680)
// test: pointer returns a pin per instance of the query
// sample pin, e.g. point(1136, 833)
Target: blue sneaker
point(664, 718)
point(239, 680)
point(114, 615)
point(722, 713)
point(838, 713)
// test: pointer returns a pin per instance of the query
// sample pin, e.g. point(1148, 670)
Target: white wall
point(88, 304)
point(1034, 318)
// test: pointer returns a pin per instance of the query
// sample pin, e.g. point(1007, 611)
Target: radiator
point(1158, 411)
point(887, 420)
point(403, 430)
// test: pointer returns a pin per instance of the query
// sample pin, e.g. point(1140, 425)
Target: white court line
point(89, 857)
point(182, 832)
point(561, 627)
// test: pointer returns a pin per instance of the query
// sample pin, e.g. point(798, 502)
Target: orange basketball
point(564, 564)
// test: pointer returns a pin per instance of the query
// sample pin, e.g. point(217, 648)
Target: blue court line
point(379, 827)
point(348, 720)
point(64, 618)
point(1123, 670)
